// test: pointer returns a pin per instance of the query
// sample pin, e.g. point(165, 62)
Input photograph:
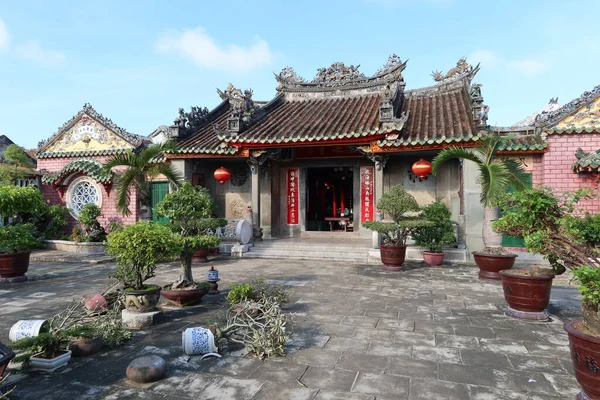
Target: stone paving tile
point(409, 367)
point(479, 332)
point(374, 334)
point(428, 389)
point(380, 348)
point(488, 393)
point(501, 346)
point(327, 395)
point(531, 382)
point(532, 363)
point(430, 327)
point(437, 354)
point(362, 362)
point(346, 344)
point(485, 358)
point(232, 388)
point(275, 391)
point(396, 387)
point(472, 375)
point(336, 330)
point(459, 342)
point(317, 357)
point(283, 372)
point(326, 378)
point(232, 366)
point(365, 322)
point(396, 324)
point(563, 385)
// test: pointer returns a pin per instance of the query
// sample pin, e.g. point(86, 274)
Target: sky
point(138, 62)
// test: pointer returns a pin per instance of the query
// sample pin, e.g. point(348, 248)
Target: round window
point(81, 192)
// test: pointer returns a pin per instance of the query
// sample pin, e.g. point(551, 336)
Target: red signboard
point(367, 197)
point(292, 196)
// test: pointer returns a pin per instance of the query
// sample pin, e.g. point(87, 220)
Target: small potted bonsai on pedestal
point(189, 210)
point(138, 248)
point(551, 226)
point(496, 176)
point(435, 236)
point(394, 204)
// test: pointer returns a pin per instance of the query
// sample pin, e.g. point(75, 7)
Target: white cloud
point(4, 37)
point(34, 52)
point(202, 49)
point(486, 57)
point(528, 67)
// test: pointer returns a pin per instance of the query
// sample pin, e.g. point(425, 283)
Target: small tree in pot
point(435, 236)
point(189, 210)
point(138, 248)
point(551, 226)
point(395, 204)
point(496, 176)
point(16, 243)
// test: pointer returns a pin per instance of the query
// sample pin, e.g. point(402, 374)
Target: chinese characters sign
point(366, 193)
point(526, 161)
point(292, 196)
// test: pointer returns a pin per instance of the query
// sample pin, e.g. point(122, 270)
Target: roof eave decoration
point(462, 70)
point(90, 167)
point(242, 108)
point(339, 76)
point(548, 119)
point(586, 162)
point(133, 139)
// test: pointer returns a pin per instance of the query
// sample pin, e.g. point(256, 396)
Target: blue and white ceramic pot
point(198, 341)
point(26, 328)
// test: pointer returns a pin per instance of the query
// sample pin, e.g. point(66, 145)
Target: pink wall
point(108, 209)
point(554, 168)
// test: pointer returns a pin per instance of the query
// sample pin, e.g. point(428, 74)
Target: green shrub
point(256, 290)
point(20, 203)
point(440, 232)
point(138, 248)
point(240, 292)
point(52, 221)
point(20, 237)
point(395, 204)
point(88, 218)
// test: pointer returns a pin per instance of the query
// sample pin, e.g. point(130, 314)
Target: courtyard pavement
point(359, 333)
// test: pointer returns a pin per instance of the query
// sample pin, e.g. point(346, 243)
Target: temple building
point(320, 154)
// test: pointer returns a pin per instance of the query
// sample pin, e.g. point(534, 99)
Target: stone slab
point(137, 321)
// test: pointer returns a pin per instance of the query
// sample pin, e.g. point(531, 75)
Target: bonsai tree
point(190, 211)
point(441, 231)
point(138, 248)
point(394, 204)
point(20, 204)
point(134, 171)
point(550, 226)
point(91, 230)
point(495, 176)
point(15, 238)
point(17, 165)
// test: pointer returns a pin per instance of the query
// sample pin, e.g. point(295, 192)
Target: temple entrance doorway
point(330, 199)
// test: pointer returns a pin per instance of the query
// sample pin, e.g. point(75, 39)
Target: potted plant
point(434, 237)
point(138, 248)
point(496, 176)
point(16, 243)
point(189, 210)
point(551, 226)
point(395, 204)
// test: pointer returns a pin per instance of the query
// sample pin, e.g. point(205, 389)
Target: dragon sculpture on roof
point(462, 67)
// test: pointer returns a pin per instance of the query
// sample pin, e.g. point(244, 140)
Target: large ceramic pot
point(27, 328)
point(201, 255)
point(392, 257)
point(142, 300)
point(198, 341)
point(530, 295)
point(432, 258)
point(6, 355)
point(585, 353)
point(491, 264)
point(83, 347)
point(39, 363)
point(184, 297)
point(13, 266)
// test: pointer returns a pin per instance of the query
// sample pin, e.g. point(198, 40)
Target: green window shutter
point(511, 241)
point(158, 191)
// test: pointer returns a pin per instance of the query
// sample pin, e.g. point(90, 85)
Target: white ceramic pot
point(198, 341)
point(49, 364)
point(26, 328)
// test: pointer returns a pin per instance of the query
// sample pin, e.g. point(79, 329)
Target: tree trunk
point(590, 317)
point(491, 239)
point(185, 273)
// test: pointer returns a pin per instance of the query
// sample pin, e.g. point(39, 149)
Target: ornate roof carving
point(462, 69)
point(392, 63)
point(586, 162)
point(553, 117)
point(338, 73)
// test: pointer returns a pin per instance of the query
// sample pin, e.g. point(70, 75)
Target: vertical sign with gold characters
point(366, 193)
point(292, 196)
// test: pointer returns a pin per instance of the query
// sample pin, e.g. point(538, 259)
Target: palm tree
point(495, 176)
point(138, 169)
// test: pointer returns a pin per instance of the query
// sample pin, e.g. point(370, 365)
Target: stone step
point(362, 259)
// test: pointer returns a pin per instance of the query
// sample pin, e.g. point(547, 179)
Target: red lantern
point(222, 175)
point(421, 168)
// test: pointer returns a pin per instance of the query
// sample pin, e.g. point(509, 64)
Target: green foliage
point(20, 203)
point(114, 224)
point(589, 283)
point(495, 175)
point(255, 290)
point(19, 237)
point(440, 232)
point(587, 228)
point(17, 165)
point(139, 168)
point(51, 222)
point(92, 230)
point(394, 204)
point(138, 248)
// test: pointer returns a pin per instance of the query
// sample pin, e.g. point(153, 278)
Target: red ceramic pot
point(392, 257)
point(201, 255)
point(585, 353)
point(491, 264)
point(432, 258)
point(184, 297)
point(13, 266)
point(526, 293)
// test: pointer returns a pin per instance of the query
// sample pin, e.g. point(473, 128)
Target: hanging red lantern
point(222, 175)
point(421, 168)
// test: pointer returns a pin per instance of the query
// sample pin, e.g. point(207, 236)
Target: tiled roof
point(586, 162)
point(87, 153)
point(548, 108)
point(569, 130)
point(435, 118)
point(92, 168)
point(524, 143)
point(549, 119)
